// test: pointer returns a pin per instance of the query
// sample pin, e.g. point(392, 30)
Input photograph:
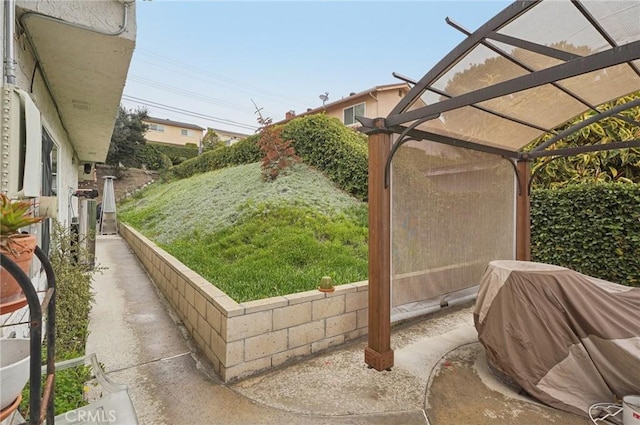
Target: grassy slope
point(257, 239)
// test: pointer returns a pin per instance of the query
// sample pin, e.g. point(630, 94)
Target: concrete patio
point(440, 376)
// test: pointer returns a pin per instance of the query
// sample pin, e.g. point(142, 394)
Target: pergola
point(532, 67)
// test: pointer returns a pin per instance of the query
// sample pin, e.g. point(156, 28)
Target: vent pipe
point(9, 51)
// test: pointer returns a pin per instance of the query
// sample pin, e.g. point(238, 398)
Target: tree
point(127, 138)
point(278, 153)
point(211, 140)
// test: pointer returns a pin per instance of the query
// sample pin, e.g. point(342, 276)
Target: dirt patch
point(131, 180)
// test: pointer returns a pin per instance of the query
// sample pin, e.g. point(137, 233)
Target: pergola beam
point(595, 62)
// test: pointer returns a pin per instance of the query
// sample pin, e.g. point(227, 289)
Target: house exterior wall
point(242, 339)
point(172, 135)
point(67, 168)
point(378, 103)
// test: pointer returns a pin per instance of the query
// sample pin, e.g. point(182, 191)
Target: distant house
point(372, 103)
point(229, 137)
point(170, 132)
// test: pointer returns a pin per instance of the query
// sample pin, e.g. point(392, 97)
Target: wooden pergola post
point(523, 212)
point(378, 354)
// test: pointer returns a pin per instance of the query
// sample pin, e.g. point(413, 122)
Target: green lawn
point(256, 239)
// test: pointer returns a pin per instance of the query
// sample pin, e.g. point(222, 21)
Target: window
point(185, 132)
point(54, 170)
point(156, 127)
point(351, 113)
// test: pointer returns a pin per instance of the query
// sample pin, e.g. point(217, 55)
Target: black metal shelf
point(41, 405)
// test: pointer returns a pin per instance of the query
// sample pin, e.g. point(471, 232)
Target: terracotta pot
point(20, 249)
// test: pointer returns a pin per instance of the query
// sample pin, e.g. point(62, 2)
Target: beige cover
point(568, 339)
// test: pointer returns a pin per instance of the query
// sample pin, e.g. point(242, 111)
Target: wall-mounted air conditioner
point(20, 144)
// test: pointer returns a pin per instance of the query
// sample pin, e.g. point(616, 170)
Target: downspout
point(9, 51)
point(377, 106)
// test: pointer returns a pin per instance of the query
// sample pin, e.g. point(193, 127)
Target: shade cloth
point(568, 339)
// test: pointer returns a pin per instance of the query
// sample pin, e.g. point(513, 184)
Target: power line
point(188, 113)
point(190, 94)
point(221, 80)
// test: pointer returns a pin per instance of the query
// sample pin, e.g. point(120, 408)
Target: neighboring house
point(170, 132)
point(65, 67)
point(373, 103)
point(229, 137)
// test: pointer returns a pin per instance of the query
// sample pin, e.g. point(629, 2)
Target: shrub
point(73, 303)
point(338, 151)
point(591, 228)
point(245, 151)
point(178, 154)
point(150, 156)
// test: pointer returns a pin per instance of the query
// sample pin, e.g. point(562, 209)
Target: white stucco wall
point(67, 173)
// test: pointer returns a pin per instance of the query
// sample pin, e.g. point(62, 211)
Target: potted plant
point(17, 246)
point(326, 284)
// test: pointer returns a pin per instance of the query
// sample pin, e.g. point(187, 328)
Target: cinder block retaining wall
point(241, 339)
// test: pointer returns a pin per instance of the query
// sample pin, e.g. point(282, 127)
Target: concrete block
point(235, 353)
point(210, 292)
point(228, 306)
point(200, 304)
point(362, 286)
point(292, 315)
point(204, 329)
point(306, 334)
point(190, 294)
point(246, 326)
point(213, 317)
point(233, 373)
point(357, 333)
point(362, 318)
point(280, 358)
point(342, 290)
point(356, 301)
point(303, 297)
point(265, 304)
point(326, 343)
point(218, 346)
point(327, 307)
point(265, 345)
point(342, 324)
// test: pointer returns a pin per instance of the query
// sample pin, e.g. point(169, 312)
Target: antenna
point(324, 97)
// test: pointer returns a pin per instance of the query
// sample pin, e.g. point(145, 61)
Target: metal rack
point(41, 407)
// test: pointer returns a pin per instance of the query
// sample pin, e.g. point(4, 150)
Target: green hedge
point(245, 151)
point(591, 228)
point(326, 144)
point(178, 154)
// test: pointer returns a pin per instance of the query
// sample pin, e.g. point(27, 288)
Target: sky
point(211, 63)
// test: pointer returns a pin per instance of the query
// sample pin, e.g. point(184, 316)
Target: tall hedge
point(591, 228)
point(245, 151)
point(326, 144)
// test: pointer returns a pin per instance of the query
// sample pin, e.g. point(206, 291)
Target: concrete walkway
point(142, 344)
